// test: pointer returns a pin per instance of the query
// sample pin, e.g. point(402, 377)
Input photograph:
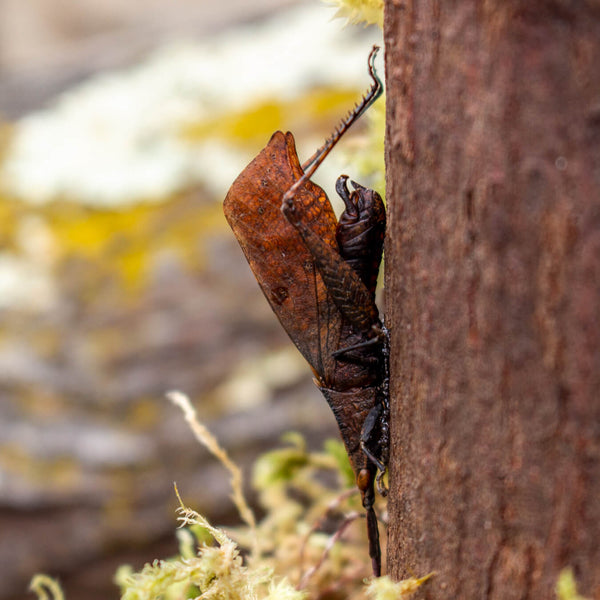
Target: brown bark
point(493, 295)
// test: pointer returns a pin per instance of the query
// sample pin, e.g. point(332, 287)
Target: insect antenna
point(312, 164)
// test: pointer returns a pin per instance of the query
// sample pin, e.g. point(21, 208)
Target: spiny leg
point(347, 290)
point(312, 164)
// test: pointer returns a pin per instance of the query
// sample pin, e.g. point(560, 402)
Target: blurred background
point(122, 126)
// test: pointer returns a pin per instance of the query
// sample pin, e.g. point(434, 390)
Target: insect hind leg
point(374, 442)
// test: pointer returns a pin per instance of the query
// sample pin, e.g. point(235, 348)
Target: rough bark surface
point(493, 295)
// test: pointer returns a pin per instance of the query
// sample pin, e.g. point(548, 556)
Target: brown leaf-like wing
point(282, 265)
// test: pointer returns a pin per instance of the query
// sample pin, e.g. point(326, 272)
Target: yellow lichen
point(255, 123)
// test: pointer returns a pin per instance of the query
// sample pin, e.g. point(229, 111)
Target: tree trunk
point(493, 295)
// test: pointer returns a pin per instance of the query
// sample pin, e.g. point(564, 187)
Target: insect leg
point(368, 98)
point(313, 163)
point(374, 441)
point(373, 536)
point(366, 487)
point(347, 290)
point(383, 439)
point(365, 344)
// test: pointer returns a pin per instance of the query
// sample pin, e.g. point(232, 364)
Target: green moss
point(46, 588)
point(285, 556)
point(566, 586)
point(337, 451)
point(278, 550)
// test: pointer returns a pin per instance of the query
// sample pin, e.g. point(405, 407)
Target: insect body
point(319, 276)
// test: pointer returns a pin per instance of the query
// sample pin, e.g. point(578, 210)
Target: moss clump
point(566, 587)
point(369, 12)
point(311, 543)
point(46, 588)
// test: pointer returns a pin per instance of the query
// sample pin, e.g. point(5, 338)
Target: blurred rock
point(47, 46)
point(89, 446)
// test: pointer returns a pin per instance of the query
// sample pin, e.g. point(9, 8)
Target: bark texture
point(493, 295)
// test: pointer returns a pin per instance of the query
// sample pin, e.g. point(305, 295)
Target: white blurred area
point(115, 136)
